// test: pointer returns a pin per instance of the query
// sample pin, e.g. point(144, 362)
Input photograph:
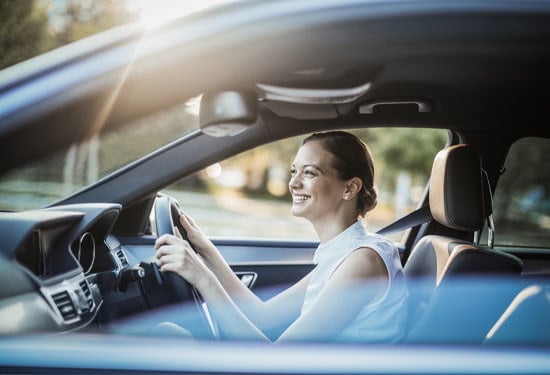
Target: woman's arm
point(175, 255)
point(220, 287)
point(279, 310)
point(361, 279)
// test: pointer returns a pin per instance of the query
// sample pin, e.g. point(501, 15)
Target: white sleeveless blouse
point(385, 319)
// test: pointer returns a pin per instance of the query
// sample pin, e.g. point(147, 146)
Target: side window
point(522, 197)
point(247, 195)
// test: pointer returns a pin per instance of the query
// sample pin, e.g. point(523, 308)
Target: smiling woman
point(90, 269)
point(332, 186)
point(252, 188)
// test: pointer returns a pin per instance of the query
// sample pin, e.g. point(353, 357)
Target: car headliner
point(481, 64)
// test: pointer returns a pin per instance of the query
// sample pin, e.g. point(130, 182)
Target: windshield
point(41, 183)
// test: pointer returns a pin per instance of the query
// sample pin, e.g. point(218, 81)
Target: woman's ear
point(353, 187)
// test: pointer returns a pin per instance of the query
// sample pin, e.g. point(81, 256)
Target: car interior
point(82, 264)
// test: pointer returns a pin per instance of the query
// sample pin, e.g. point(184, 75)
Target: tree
point(23, 31)
point(71, 20)
point(406, 156)
point(409, 149)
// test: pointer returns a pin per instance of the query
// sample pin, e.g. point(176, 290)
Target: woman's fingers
point(176, 260)
point(169, 239)
point(170, 245)
point(165, 250)
point(169, 267)
point(182, 261)
point(194, 234)
point(186, 221)
point(164, 240)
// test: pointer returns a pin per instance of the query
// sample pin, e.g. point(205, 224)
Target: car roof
point(480, 66)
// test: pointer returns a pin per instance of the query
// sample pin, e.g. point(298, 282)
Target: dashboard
point(54, 264)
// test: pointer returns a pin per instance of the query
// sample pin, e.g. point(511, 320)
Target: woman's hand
point(176, 255)
point(201, 243)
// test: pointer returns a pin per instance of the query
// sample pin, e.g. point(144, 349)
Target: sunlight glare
point(214, 171)
point(155, 12)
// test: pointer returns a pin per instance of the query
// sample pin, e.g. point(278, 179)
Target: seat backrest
point(456, 199)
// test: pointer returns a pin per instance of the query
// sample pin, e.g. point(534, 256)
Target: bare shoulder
point(362, 263)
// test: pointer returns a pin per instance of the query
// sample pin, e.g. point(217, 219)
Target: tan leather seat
point(439, 270)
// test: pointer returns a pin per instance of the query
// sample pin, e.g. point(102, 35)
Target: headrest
point(456, 189)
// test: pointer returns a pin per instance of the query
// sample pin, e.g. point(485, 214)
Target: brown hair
point(352, 158)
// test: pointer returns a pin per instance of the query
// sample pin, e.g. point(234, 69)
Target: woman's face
point(316, 189)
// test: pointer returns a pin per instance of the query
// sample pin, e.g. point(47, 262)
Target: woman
point(356, 292)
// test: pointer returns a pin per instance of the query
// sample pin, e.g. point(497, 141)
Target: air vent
point(122, 257)
point(87, 293)
point(64, 304)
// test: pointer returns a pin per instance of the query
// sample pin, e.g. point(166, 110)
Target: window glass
point(521, 203)
point(63, 173)
point(247, 195)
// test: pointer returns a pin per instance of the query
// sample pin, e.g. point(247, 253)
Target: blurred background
point(31, 27)
point(249, 191)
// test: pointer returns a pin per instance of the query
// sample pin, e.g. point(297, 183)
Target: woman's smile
point(299, 198)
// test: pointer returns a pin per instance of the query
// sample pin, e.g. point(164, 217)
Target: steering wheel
point(167, 212)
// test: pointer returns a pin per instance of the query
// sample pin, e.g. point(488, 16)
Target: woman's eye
point(293, 172)
point(309, 173)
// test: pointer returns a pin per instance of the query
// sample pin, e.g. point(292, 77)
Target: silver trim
point(368, 108)
point(491, 231)
point(80, 242)
point(117, 260)
point(311, 96)
point(201, 303)
point(76, 295)
point(247, 278)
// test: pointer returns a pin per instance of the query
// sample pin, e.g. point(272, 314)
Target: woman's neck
point(331, 228)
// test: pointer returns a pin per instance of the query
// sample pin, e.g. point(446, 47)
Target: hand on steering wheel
point(167, 213)
point(176, 255)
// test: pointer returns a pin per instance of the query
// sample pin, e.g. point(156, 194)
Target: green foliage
point(75, 19)
point(31, 27)
point(394, 150)
point(23, 31)
point(408, 149)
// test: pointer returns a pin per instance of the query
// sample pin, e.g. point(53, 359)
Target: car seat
point(451, 298)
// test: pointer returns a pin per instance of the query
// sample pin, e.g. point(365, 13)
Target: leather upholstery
point(456, 189)
point(441, 305)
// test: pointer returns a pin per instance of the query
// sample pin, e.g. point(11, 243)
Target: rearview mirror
point(227, 113)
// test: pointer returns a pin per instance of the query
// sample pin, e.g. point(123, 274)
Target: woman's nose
point(294, 181)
